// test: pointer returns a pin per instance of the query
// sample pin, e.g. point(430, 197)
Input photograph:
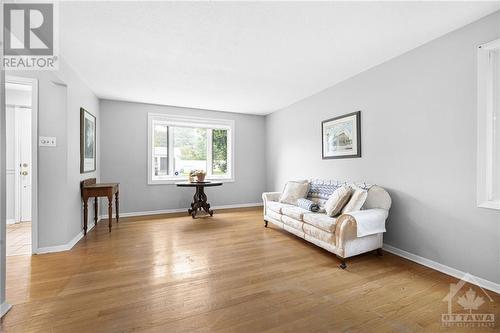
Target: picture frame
point(87, 141)
point(341, 136)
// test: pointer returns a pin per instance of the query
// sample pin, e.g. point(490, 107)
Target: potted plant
point(199, 174)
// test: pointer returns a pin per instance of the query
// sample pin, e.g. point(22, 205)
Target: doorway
point(20, 116)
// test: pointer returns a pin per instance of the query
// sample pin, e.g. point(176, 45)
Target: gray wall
point(59, 201)
point(3, 155)
point(124, 128)
point(418, 141)
point(3, 216)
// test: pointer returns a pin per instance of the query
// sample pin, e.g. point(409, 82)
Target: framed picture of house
point(341, 136)
point(87, 141)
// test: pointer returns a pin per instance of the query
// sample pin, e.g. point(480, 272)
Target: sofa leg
point(380, 252)
point(342, 265)
point(265, 223)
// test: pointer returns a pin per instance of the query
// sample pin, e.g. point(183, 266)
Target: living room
point(250, 166)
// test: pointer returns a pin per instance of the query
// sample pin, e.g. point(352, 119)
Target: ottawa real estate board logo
point(469, 306)
point(30, 36)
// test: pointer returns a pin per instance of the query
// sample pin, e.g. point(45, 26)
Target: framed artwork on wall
point(87, 141)
point(341, 136)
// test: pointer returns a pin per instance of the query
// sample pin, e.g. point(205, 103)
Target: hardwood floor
point(222, 274)
point(18, 239)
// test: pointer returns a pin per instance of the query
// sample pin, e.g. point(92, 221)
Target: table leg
point(96, 209)
point(110, 211)
point(190, 210)
point(194, 205)
point(117, 205)
point(200, 202)
point(85, 215)
point(204, 204)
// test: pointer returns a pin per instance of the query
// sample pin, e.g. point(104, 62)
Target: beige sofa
point(346, 235)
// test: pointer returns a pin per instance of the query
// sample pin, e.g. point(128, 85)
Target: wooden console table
point(200, 198)
point(89, 189)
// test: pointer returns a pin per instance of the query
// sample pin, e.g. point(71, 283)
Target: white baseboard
point(181, 210)
point(65, 247)
point(11, 221)
point(4, 308)
point(443, 268)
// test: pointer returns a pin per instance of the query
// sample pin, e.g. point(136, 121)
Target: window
point(488, 126)
point(179, 144)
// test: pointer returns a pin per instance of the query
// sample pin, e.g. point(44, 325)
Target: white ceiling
point(250, 57)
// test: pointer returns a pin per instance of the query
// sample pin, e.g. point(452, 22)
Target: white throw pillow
point(357, 200)
point(338, 199)
point(294, 191)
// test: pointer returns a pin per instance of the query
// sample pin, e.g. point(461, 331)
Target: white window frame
point(185, 121)
point(486, 124)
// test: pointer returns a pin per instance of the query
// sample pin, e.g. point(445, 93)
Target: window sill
point(490, 205)
point(173, 181)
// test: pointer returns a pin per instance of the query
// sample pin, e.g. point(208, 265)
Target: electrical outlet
point(47, 141)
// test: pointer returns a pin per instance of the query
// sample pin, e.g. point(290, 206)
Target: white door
point(23, 159)
point(10, 161)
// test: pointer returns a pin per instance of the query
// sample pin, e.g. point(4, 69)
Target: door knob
point(24, 173)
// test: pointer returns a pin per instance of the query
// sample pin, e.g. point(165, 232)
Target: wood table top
point(99, 185)
point(194, 184)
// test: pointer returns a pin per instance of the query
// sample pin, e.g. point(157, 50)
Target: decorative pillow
point(337, 200)
point(308, 204)
point(357, 200)
point(294, 191)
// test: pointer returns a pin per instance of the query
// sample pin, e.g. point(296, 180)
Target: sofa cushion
point(308, 205)
point(294, 212)
point(356, 201)
point(294, 191)
point(317, 233)
point(274, 215)
point(321, 221)
point(321, 189)
point(292, 222)
point(338, 200)
point(276, 206)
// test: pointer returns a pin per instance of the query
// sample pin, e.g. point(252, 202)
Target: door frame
point(34, 154)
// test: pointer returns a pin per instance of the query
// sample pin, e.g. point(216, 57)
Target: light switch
point(47, 141)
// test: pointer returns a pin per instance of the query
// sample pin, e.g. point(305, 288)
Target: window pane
point(219, 152)
point(163, 163)
point(190, 149)
point(160, 150)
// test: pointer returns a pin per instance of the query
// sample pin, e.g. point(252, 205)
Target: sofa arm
point(270, 196)
point(359, 224)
